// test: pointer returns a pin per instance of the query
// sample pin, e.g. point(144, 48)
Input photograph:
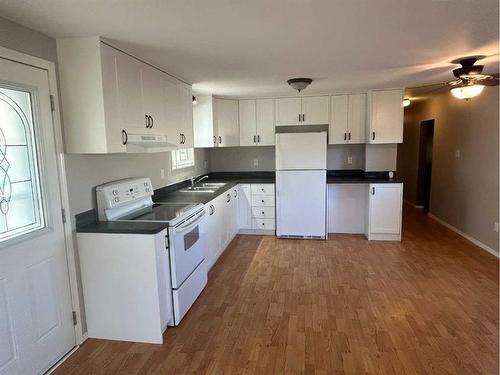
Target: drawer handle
point(262, 189)
point(262, 200)
point(263, 224)
point(262, 212)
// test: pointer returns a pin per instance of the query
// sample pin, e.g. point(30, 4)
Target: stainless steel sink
point(198, 189)
point(212, 184)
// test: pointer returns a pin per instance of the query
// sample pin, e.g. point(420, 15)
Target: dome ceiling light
point(299, 84)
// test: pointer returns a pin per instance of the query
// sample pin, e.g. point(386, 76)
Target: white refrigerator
point(301, 185)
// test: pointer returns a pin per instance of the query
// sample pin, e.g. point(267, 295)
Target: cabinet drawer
point(263, 212)
point(265, 224)
point(262, 200)
point(262, 189)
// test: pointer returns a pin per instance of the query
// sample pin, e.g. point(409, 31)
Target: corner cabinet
point(385, 116)
point(107, 94)
point(306, 110)
point(256, 122)
point(385, 204)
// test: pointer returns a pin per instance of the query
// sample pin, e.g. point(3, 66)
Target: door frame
point(49, 66)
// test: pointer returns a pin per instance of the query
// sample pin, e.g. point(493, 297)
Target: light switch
point(349, 160)
point(162, 174)
point(495, 227)
point(457, 153)
point(255, 162)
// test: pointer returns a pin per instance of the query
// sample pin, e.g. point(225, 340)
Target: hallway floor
point(426, 305)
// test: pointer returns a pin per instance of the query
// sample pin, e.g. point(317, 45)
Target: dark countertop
point(123, 227)
point(86, 221)
point(357, 176)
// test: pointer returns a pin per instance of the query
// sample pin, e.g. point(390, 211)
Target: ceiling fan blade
point(426, 86)
point(489, 82)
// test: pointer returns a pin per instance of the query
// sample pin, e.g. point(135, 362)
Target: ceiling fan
point(470, 79)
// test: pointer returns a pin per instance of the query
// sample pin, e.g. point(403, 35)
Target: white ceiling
point(251, 47)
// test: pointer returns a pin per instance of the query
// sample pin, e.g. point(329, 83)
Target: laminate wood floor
point(427, 305)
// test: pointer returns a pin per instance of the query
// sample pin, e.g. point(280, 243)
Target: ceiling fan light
point(299, 84)
point(467, 92)
point(406, 102)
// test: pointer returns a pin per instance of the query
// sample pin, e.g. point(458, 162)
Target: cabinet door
point(244, 207)
point(337, 130)
point(385, 208)
point(315, 110)
point(356, 118)
point(152, 99)
point(265, 122)
point(385, 116)
point(186, 115)
point(226, 123)
point(288, 111)
point(130, 110)
point(113, 125)
point(203, 121)
point(248, 123)
point(172, 102)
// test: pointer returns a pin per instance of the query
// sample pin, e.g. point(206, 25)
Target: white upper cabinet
point(315, 110)
point(203, 121)
point(248, 122)
point(256, 122)
point(288, 111)
point(347, 119)
point(265, 122)
point(337, 132)
point(153, 99)
point(226, 124)
point(385, 116)
point(307, 110)
point(108, 94)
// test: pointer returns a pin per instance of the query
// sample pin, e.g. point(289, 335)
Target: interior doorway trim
point(49, 66)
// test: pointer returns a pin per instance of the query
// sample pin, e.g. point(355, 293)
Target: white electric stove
point(131, 200)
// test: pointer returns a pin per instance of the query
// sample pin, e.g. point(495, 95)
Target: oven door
point(187, 248)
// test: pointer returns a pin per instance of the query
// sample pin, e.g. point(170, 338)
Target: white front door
point(36, 327)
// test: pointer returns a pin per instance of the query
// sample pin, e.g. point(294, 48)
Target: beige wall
point(464, 190)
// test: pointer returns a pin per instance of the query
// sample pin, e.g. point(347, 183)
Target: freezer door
point(295, 151)
point(301, 203)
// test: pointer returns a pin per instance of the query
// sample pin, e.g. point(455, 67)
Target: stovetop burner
point(160, 212)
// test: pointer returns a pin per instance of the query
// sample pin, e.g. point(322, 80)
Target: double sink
point(207, 187)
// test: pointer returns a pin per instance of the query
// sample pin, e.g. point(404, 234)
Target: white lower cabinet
point(385, 203)
point(371, 209)
point(258, 211)
point(245, 207)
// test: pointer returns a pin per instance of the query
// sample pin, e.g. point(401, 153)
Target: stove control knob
point(117, 199)
point(115, 192)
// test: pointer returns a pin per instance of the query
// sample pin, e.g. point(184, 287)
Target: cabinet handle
point(345, 136)
point(254, 139)
point(166, 243)
point(373, 191)
point(262, 200)
point(373, 136)
point(303, 117)
point(258, 139)
point(215, 140)
point(220, 139)
point(228, 198)
point(183, 139)
point(262, 212)
point(124, 137)
point(299, 117)
point(146, 117)
point(180, 138)
point(349, 135)
point(235, 193)
point(214, 209)
point(152, 122)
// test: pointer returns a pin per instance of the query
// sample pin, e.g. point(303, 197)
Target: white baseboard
point(464, 235)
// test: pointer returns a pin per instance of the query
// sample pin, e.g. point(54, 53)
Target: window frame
point(179, 164)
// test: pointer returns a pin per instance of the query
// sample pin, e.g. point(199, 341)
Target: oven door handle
point(190, 225)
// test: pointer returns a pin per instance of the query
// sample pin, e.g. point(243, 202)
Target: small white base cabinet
point(385, 206)
point(257, 209)
point(347, 208)
point(126, 285)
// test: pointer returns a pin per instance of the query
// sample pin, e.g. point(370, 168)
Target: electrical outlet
point(457, 153)
point(205, 164)
point(162, 174)
point(255, 162)
point(495, 227)
point(349, 160)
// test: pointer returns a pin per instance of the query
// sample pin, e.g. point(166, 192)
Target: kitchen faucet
point(195, 180)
